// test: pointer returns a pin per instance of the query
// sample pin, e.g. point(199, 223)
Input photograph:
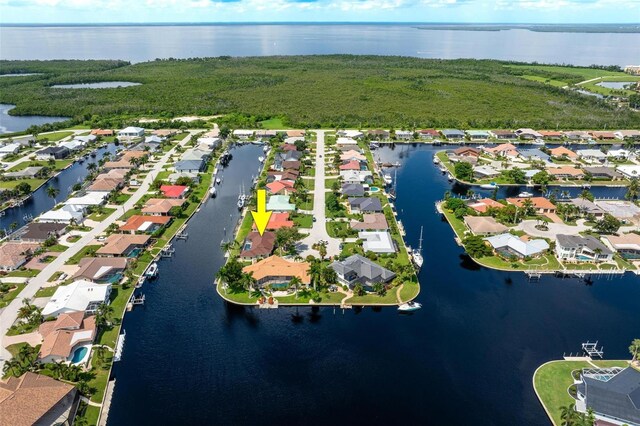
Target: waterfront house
point(26, 173)
point(65, 214)
point(189, 166)
point(467, 151)
point(377, 241)
point(484, 225)
point(404, 135)
point(625, 211)
point(509, 245)
point(356, 176)
point(125, 162)
point(89, 199)
point(105, 184)
point(209, 142)
point(577, 135)
point(278, 220)
point(485, 172)
point(365, 204)
point(101, 270)
point(371, 222)
point(540, 204)
point(587, 207)
point(39, 232)
point(357, 269)
point(428, 133)
point(576, 248)
point(603, 136)
point(452, 134)
point(346, 143)
point(196, 154)
point(277, 272)
point(102, 132)
point(353, 189)
point(193, 177)
point(243, 134)
point(266, 134)
point(131, 132)
point(153, 140)
point(378, 134)
point(146, 146)
point(352, 154)
point(627, 245)
point(484, 204)
point(14, 254)
point(161, 206)
point(257, 246)
point(613, 395)
point(213, 133)
point(52, 153)
point(352, 165)
point(627, 134)
point(64, 336)
point(503, 134)
point(79, 296)
point(618, 154)
point(145, 224)
point(34, 399)
point(296, 133)
point(123, 245)
point(73, 145)
point(164, 133)
point(280, 203)
point(534, 154)
point(629, 171)
point(477, 135)
point(551, 135)
point(288, 146)
point(527, 134)
point(291, 165)
point(284, 187)
point(602, 172)
point(352, 134)
point(592, 155)
point(565, 172)
point(502, 150)
point(174, 191)
point(562, 152)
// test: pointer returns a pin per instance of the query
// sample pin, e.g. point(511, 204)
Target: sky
point(471, 11)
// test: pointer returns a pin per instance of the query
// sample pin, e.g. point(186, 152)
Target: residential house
point(614, 397)
point(478, 135)
point(351, 165)
point(378, 134)
point(125, 162)
point(565, 172)
point(592, 155)
point(467, 151)
point(452, 134)
point(484, 225)
point(283, 187)
point(346, 143)
point(603, 136)
point(131, 132)
point(527, 134)
point(123, 245)
point(502, 150)
point(258, 246)
point(89, 199)
point(39, 232)
point(365, 204)
point(189, 166)
point(353, 189)
point(485, 172)
point(278, 220)
point(52, 152)
point(602, 172)
point(540, 204)
point(629, 171)
point(192, 176)
point(145, 224)
point(577, 135)
point(105, 184)
point(72, 145)
point(65, 214)
point(62, 337)
point(164, 133)
point(404, 135)
point(26, 173)
point(625, 211)
point(587, 207)
point(280, 203)
point(101, 270)
point(356, 176)
point(576, 248)
point(291, 165)
point(484, 204)
point(352, 154)
point(79, 296)
point(243, 134)
point(377, 241)
point(371, 222)
point(146, 146)
point(562, 152)
point(509, 245)
point(428, 133)
point(161, 206)
point(102, 132)
point(14, 254)
point(627, 245)
point(266, 134)
point(174, 191)
point(86, 139)
point(551, 135)
point(276, 270)
point(357, 269)
point(296, 133)
point(618, 154)
point(627, 134)
point(10, 148)
point(352, 134)
point(34, 399)
point(534, 155)
point(503, 134)
point(213, 133)
point(196, 154)
point(209, 142)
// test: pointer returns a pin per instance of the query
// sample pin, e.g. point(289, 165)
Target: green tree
point(541, 178)
point(286, 239)
point(104, 315)
point(295, 282)
point(633, 190)
point(53, 192)
point(476, 247)
point(634, 349)
point(607, 225)
point(568, 415)
point(586, 195)
point(463, 171)
point(23, 188)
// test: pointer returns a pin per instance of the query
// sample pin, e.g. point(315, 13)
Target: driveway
point(529, 226)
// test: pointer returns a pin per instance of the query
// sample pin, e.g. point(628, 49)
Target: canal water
point(466, 358)
point(40, 202)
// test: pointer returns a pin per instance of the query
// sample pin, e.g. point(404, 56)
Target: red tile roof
point(174, 191)
point(136, 221)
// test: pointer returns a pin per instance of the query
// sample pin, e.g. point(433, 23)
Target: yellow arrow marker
point(261, 217)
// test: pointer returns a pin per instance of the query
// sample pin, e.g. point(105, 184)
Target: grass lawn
point(328, 183)
point(555, 83)
point(340, 230)
point(273, 124)
point(100, 216)
point(409, 291)
point(121, 198)
point(59, 247)
point(60, 164)
point(552, 380)
point(87, 251)
point(55, 136)
point(302, 220)
point(101, 371)
point(11, 184)
point(388, 299)
point(6, 298)
point(47, 291)
point(23, 273)
point(307, 205)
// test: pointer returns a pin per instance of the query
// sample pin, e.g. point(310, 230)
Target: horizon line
point(167, 23)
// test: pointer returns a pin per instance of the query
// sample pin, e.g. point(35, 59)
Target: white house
point(80, 295)
point(404, 134)
point(65, 214)
point(509, 244)
point(377, 241)
point(73, 145)
point(581, 249)
point(91, 198)
point(131, 132)
point(242, 134)
point(10, 148)
point(345, 141)
point(618, 154)
point(86, 139)
point(210, 142)
point(592, 155)
point(356, 176)
point(629, 171)
point(353, 134)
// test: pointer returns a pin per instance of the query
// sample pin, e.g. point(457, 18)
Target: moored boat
point(409, 307)
point(261, 159)
point(525, 195)
point(387, 179)
point(218, 181)
point(491, 185)
point(212, 191)
point(152, 271)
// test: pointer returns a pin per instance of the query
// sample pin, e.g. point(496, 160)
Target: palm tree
point(104, 314)
point(56, 368)
point(295, 283)
point(53, 193)
point(247, 281)
point(315, 272)
point(568, 414)
point(91, 167)
point(635, 349)
point(633, 190)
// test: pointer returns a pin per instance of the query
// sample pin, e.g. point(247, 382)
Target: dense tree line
point(311, 91)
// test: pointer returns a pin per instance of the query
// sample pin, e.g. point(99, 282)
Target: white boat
point(538, 142)
point(491, 185)
point(397, 164)
point(243, 198)
point(265, 148)
point(373, 145)
point(525, 195)
point(387, 179)
point(152, 272)
point(218, 181)
point(409, 307)
point(240, 204)
point(212, 191)
point(436, 160)
point(261, 159)
point(449, 177)
point(417, 253)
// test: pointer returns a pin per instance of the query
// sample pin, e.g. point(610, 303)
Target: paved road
point(9, 314)
point(26, 157)
point(319, 230)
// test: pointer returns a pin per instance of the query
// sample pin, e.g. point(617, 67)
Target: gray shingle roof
point(368, 204)
point(618, 397)
point(578, 241)
point(367, 271)
point(353, 189)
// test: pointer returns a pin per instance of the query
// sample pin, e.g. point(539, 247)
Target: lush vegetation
point(313, 91)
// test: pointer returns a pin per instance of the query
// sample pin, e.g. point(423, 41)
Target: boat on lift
point(261, 159)
point(525, 194)
point(538, 142)
point(374, 145)
point(417, 253)
point(449, 177)
point(387, 179)
point(265, 148)
point(409, 307)
point(436, 160)
point(152, 272)
point(491, 185)
point(218, 181)
point(240, 204)
point(212, 191)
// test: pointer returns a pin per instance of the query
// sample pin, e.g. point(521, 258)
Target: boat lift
point(167, 252)
point(117, 356)
point(182, 235)
point(592, 350)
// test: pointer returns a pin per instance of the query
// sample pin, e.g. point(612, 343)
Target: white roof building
point(80, 295)
point(131, 132)
point(355, 134)
point(85, 139)
point(618, 153)
point(517, 246)
point(630, 171)
point(346, 141)
point(10, 148)
point(72, 145)
point(377, 241)
point(91, 198)
point(404, 134)
point(211, 142)
point(242, 133)
point(66, 214)
point(153, 139)
point(591, 154)
point(355, 176)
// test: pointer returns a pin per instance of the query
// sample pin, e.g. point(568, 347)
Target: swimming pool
point(279, 286)
point(374, 189)
point(79, 354)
